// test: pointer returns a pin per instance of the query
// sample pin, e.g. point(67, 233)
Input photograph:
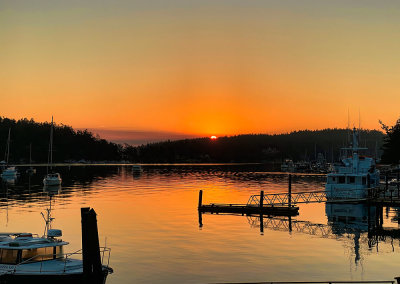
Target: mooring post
point(290, 192)
point(200, 198)
point(92, 267)
point(398, 184)
point(387, 181)
point(200, 220)
point(261, 199)
point(86, 257)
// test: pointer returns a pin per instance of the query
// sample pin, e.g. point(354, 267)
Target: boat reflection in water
point(52, 190)
point(358, 223)
point(352, 220)
point(11, 180)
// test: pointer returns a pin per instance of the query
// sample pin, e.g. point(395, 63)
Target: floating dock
point(284, 204)
point(249, 208)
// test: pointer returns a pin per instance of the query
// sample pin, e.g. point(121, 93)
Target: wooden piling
point(200, 198)
point(290, 191)
point(200, 219)
point(261, 199)
point(386, 182)
point(92, 267)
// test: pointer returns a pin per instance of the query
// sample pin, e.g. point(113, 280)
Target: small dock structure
point(284, 204)
point(255, 205)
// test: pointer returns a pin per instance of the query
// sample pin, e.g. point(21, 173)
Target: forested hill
point(299, 145)
point(69, 145)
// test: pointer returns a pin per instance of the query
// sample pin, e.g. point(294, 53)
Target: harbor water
point(150, 221)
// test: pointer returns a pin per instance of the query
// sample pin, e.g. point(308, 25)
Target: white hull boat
point(52, 179)
point(10, 172)
point(28, 258)
point(354, 176)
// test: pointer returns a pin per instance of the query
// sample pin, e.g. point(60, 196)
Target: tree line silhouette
point(75, 145)
point(69, 144)
point(302, 145)
point(391, 143)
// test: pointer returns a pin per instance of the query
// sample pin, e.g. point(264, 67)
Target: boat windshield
point(8, 256)
point(15, 256)
point(53, 175)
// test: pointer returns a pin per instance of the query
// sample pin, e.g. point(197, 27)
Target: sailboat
point(9, 172)
point(51, 178)
point(31, 169)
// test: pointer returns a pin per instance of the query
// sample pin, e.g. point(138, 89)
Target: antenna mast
point(348, 125)
point(7, 153)
point(51, 144)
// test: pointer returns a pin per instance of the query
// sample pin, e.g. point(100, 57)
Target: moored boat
point(28, 258)
point(136, 169)
point(352, 178)
point(51, 178)
point(9, 172)
point(31, 169)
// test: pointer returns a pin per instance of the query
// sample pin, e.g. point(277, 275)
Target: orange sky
point(201, 67)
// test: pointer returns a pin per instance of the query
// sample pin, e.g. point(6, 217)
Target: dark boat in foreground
point(28, 258)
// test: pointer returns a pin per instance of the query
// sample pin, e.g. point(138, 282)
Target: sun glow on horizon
point(196, 70)
point(213, 137)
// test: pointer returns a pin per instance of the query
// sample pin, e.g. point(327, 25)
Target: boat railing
point(105, 253)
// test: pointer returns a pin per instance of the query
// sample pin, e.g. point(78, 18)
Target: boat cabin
point(53, 176)
point(24, 247)
point(353, 176)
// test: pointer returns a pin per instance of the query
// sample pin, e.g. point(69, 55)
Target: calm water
point(151, 223)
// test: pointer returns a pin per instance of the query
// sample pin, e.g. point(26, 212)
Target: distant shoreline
point(131, 164)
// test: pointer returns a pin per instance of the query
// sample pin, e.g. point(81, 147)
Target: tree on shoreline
point(69, 144)
point(75, 145)
point(391, 143)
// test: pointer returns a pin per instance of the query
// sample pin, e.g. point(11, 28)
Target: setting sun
point(213, 137)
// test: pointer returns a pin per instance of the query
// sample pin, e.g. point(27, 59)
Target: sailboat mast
point(8, 144)
point(51, 144)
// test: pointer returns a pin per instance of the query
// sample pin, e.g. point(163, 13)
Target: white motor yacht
point(354, 176)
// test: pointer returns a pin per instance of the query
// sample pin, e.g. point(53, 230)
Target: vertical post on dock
point(386, 181)
point(92, 267)
point(372, 192)
point(200, 219)
point(290, 192)
point(398, 184)
point(200, 198)
point(261, 212)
